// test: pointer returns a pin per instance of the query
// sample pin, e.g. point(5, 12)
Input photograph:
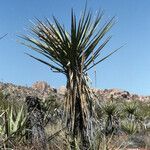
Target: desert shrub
point(53, 110)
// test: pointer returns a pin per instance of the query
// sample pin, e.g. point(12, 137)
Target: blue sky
point(128, 69)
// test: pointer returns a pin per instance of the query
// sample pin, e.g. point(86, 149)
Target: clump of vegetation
point(53, 109)
point(109, 134)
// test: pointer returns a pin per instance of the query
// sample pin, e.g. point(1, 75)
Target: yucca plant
point(130, 110)
point(72, 53)
point(111, 116)
point(12, 122)
point(130, 127)
point(15, 120)
point(13, 125)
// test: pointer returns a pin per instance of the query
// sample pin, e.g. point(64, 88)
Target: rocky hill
point(14, 92)
point(43, 90)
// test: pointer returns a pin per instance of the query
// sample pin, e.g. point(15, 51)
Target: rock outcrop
point(61, 90)
point(120, 95)
point(41, 86)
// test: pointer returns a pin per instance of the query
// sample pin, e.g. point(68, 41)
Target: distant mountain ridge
point(42, 90)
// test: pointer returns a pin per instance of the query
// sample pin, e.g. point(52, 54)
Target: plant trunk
point(78, 112)
point(79, 128)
